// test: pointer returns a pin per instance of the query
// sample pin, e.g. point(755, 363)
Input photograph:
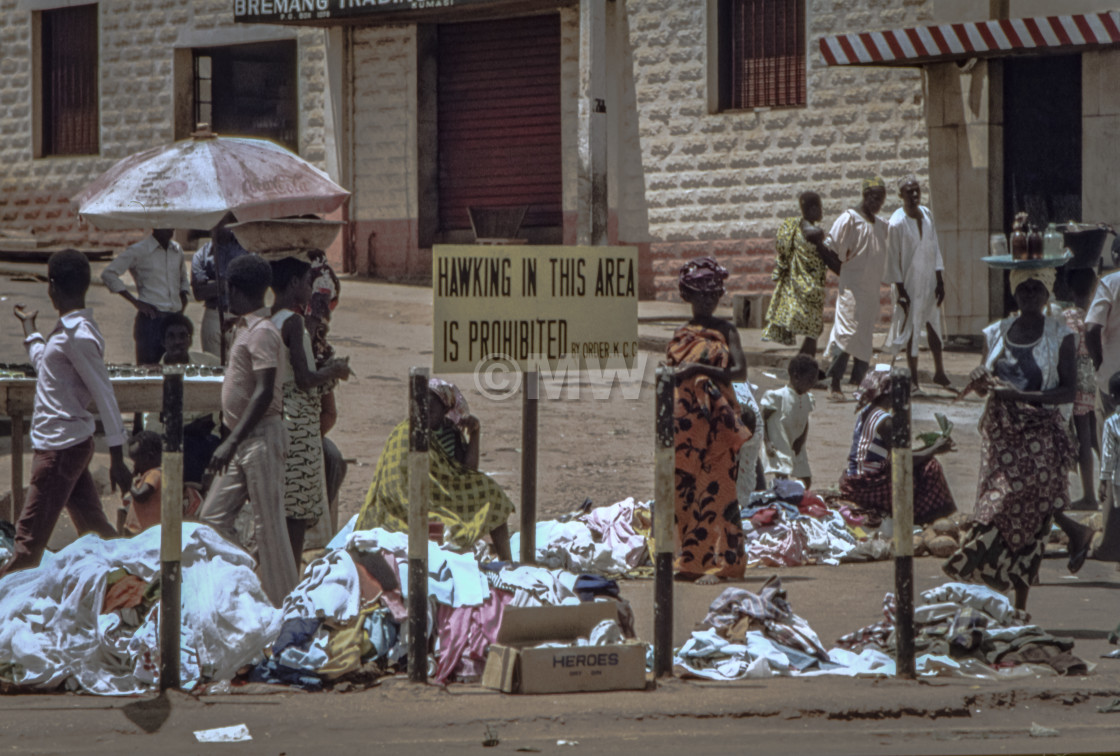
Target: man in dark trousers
point(159, 270)
point(70, 365)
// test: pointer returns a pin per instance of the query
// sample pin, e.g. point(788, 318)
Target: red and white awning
point(978, 39)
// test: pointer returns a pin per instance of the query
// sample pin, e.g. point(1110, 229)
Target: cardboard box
point(515, 666)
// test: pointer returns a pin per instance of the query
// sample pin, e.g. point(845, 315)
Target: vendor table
point(137, 390)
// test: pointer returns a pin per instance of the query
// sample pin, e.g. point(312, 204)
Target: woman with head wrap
point(468, 503)
point(709, 431)
point(867, 480)
point(799, 271)
point(1028, 373)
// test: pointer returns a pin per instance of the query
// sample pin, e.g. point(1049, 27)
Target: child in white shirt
point(785, 416)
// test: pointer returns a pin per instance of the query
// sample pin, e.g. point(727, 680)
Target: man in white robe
point(914, 267)
point(859, 238)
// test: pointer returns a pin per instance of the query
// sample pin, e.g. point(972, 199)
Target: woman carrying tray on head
point(1029, 373)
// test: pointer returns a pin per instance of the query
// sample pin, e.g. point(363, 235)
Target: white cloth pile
point(963, 630)
point(53, 629)
point(752, 636)
point(791, 541)
point(604, 541)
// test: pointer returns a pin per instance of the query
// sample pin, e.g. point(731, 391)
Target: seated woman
point(867, 480)
point(467, 502)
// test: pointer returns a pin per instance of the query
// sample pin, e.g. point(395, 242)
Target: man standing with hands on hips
point(159, 270)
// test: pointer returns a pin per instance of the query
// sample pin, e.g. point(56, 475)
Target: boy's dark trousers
point(59, 478)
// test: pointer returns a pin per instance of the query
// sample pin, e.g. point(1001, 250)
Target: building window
point(67, 75)
point(761, 53)
point(249, 90)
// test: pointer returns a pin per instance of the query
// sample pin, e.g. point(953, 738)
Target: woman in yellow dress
point(468, 503)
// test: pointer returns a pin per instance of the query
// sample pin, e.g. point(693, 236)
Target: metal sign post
point(530, 403)
point(902, 504)
point(664, 511)
point(171, 528)
point(418, 494)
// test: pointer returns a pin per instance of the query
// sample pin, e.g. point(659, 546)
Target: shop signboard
point(325, 11)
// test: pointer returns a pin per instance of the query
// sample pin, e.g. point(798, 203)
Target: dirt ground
point(602, 448)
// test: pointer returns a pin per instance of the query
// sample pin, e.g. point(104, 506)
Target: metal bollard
point(418, 495)
point(664, 514)
point(529, 406)
point(902, 505)
point(171, 528)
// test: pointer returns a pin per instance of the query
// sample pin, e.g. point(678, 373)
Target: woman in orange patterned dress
point(708, 357)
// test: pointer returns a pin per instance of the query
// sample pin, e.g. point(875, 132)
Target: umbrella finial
point(202, 131)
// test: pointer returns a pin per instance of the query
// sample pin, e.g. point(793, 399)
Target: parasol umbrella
point(193, 183)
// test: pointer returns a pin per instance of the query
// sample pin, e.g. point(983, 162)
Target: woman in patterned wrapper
point(468, 503)
point(797, 306)
point(1029, 371)
point(708, 430)
point(305, 492)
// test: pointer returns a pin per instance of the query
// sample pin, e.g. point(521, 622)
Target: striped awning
point(977, 39)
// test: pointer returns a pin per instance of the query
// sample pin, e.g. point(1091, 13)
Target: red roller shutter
point(499, 119)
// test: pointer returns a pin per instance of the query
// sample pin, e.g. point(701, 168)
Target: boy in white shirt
point(785, 415)
point(70, 369)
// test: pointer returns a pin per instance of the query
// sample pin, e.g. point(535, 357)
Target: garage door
point(499, 119)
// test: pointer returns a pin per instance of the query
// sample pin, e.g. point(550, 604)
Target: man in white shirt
point(914, 267)
point(1102, 335)
point(159, 270)
point(859, 238)
point(70, 367)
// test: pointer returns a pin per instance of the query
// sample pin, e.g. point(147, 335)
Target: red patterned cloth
point(1026, 454)
point(708, 433)
point(932, 497)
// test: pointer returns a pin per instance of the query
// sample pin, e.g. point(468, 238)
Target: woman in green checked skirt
point(468, 503)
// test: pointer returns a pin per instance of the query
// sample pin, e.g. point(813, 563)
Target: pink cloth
point(466, 632)
point(257, 346)
point(614, 527)
point(393, 599)
point(850, 518)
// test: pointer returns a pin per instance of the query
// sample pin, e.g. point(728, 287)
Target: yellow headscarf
point(1046, 275)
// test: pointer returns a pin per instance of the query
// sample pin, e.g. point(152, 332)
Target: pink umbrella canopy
point(195, 182)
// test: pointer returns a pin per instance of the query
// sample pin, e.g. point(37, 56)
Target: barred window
point(761, 53)
point(249, 90)
point(68, 73)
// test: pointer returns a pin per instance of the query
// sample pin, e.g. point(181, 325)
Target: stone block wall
point(137, 41)
point(384, 209)
point(719, 183)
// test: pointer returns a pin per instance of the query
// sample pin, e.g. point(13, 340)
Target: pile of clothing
point(88, 617)
point(7, 542)
point(748, 635)
point(971, 630)
point(348, 616)
point(786, 526)
point(608, 540)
